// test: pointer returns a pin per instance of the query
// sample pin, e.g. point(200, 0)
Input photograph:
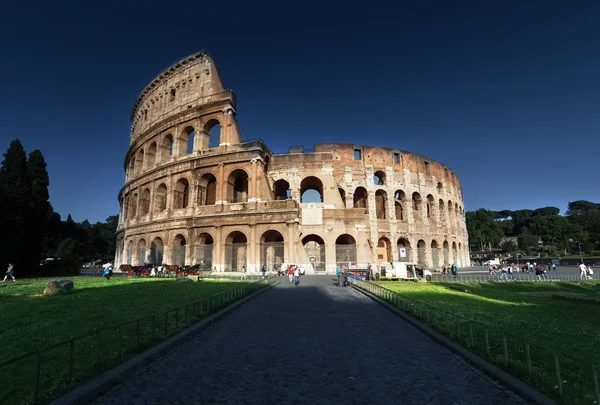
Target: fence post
point(596, 388)
point(528, 358)
point(97, 347)
point(505, 350)
point(558, 379)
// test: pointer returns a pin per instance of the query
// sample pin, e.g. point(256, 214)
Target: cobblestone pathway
point(311, 344)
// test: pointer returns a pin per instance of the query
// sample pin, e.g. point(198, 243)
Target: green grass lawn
point(561, 315)
point(31, 322)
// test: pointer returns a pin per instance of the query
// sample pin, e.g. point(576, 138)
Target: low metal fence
point(564, 377)
point(40, 376)
point(466, 278)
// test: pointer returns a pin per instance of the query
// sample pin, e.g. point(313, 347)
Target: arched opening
point(166, 148)
point(281, 190)
point(434, 255)
point(190, 136)
point(442, 212)
point(129, 253)
point(178, 250)
point(379, 178)
point(156, 251)
point(181, 194)
point(345, 251)
point(125, 206)
point(439, 187)
point(131, 170)
point(271, 250)
point(139, 161)
point(311, 190)
point(207, 189)
point(204, 251)
point(456, 209)
point(430, 206)
point(314, 246)
point(160, 199)
point(384, 251)
point(450, 217)
point(454, 254)
point(445, 253)
point(403, 250)
point(151, 155)
point(133, 206)
point(381, 204)
point(213, 137)
point(235, 251)
point(421, 254)
point(145, 202)
point(460, 255)
point(360, 199)
point(141, 253)
point(416, 203)
point(399, 198)
point(342, 196)
point(238, 186)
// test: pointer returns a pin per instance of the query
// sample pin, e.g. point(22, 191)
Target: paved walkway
point(311, 344)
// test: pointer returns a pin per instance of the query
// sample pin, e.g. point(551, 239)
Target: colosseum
point(196, 193)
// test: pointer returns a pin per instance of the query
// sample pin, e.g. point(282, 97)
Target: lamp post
point(580, 255)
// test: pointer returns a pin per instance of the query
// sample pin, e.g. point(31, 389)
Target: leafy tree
point(526, 242)
point(508, 245)
point(37, 223)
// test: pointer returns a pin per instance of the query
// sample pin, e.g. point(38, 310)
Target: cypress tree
point(40, 205)
point(15, 188)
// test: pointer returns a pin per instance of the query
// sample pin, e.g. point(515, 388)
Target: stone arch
point(446, 253)
point(440, 187)
point(442, 212)
point(213, 134)
point(145, 202)
point(281, 190)
point(361, 198)
point(314, 246)
point(178, 250)
point(204, 249)
point(166, 147)
point(181, 193)
point(156, 251)
point(384, 251)
point(235, 251)
point(379, 178)
point(381, 204)
point(430, 206)
point(160, 199)
point(131, 170)
point(125, 205)
point(399, 201)
point(141, 252)
point(416, 203)
point(139, 161)
point(404, 251)
point(133, 205)
point(421, 253)
point(129, 253)
point(271, 250)
point(237, 186)
point(151, 155)
point(342, 196)
point(435, 258)
point(309, 188)
point(345, 251)
point(454, 254)
point(189, 137)
point(207, 189)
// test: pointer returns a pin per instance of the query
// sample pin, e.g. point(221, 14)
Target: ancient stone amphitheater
point(196, 193)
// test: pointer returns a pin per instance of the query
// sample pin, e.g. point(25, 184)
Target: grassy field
point(551, 315)
point(31, 322)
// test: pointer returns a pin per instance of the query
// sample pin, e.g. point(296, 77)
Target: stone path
point(311, 344)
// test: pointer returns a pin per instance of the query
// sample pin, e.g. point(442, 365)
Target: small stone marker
point(57, 287)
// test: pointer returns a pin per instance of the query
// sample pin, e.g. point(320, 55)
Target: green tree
point(483, 228)
point(37, 223)
point(526, 242)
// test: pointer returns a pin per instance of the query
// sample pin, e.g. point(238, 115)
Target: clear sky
point(505, 93)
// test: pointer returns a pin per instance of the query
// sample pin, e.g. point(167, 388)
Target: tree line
point(542, 229)
point(32, 231)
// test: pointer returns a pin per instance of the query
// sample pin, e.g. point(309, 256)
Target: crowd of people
point(293, 272)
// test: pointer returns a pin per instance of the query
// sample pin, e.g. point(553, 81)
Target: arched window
point(445, 253)
point(380, 204)
point(399, 198)
point(237, 185)
point(129, 253)
point(178, 250)
point(311, 190)
point(416, 202)
point(345, 251)
point(151, 155)
point(204, 251)
point(160, 203)
point(281, 190)
point(403, 250)
point(379, 178)
point(139, 161)
point(156, 251)
point(190, 136)
point(166, 148)
point(182, 194)
point(141, 259)
point(271, 250)
point(207, 189)
point(145, 202)
point(212, 139)
point(384, 251)
point(421, 254)
point(131, 171)
point(235, 251)
point(314, 246)
point(430, 204)
point(360, 199)
point(434, 254)
point(454, 254)
point(439, 187)
point(133, 206)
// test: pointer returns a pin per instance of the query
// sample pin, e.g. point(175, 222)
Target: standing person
point(503, 273)
point(107, 271)
point(291, 274)
point(583, 271)
point(244, 276)
point(10, 273)
point(539, 271)
point(453, 270)
point(296, 276)
point(511, 276)
point(369, 272)
point(264, 271)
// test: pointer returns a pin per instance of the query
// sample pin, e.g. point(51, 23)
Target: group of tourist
point(585, 272)
point(293, 271)
point(449, 270)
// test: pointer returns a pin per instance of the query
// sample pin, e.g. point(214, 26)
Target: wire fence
point(467, 278)
point(559, 375)
point(40, 376)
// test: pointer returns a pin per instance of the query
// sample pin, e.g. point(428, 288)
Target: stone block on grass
point(185, 280)
point(58, 287)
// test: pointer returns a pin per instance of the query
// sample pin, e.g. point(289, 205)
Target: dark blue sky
point(505, 93)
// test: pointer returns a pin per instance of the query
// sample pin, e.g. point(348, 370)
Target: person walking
point(453, 270)
point(264, 271)
point(291, 274)
point(10, 272)
point(296, 276)
point(583, 271)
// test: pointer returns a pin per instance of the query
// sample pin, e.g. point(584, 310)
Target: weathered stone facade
point(236, 205)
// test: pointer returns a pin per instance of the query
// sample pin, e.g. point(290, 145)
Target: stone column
point(253, 183)
point(253, 255)
point(221, 185)
point(288, 249)
point(218, 249)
